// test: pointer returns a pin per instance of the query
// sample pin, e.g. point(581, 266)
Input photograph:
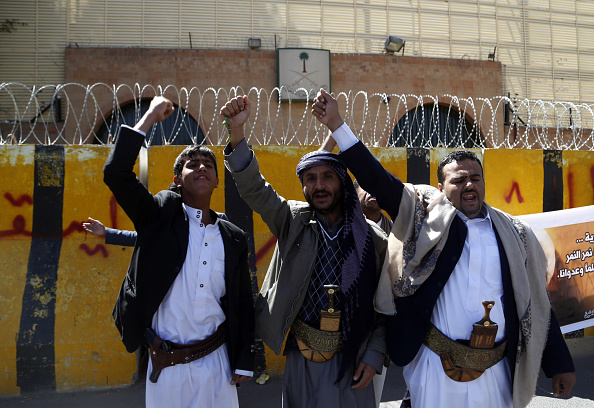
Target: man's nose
point(319, 183)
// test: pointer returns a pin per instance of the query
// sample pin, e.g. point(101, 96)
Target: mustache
point(470, 190)
point(323, 191)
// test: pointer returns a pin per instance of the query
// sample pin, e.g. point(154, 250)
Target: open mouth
point(469, 197)
point(321, 196)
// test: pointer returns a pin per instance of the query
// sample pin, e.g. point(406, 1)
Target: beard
point(472, 211)
point(327, 207)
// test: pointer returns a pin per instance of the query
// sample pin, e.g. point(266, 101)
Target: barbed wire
point(77, 114)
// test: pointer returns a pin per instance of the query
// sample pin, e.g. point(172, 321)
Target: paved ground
point(252, 395)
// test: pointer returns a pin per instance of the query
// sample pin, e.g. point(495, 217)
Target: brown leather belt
point(184, 353)
point(468, 362)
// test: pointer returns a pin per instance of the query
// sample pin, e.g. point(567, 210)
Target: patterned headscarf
point(358, 268)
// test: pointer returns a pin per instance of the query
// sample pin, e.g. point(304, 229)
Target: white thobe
point(190, 312)
point(475, 278)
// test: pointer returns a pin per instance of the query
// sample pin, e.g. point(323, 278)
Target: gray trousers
point(312, 385)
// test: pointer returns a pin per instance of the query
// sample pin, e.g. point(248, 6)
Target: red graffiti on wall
point(18, 228)
point(98, 248)
point(261, 253)
point(113, 212)
point(24, 198)
point(570, 188)
point(19, 225)
point(516, 188)
point(75, 226)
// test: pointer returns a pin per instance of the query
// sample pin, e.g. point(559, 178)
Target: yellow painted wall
point(578, 185)
point(514, 180)
point(88, 351)
point(16, 210)
point(87, 344)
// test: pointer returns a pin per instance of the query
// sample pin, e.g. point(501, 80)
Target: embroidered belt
point(166, 353)
point(468, 362)
point(318, 342)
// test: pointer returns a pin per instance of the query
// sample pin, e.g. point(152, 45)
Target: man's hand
point(160, 109)
point(94, 227)
point(365, 372)
point(237, 112)
point(563, 383)
point(325, 109)
point(236, 378)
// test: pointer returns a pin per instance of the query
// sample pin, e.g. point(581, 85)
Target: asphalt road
point(253, 395)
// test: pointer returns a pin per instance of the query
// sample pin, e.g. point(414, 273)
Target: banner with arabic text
point(567, 237)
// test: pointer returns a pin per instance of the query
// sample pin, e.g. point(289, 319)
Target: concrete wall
point(59, 284)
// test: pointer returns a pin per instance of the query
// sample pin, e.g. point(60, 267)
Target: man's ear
point(217, 186)
point(440, 187)
point(175, 181)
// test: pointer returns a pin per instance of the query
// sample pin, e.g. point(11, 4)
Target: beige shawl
point(418, 236)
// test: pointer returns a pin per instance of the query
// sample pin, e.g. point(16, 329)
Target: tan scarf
point(418, 236)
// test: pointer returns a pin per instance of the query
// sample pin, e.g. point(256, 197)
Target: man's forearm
point(329, 143)
point(238, 158)
point(344, 137)
point(118, 175)
point(145, 123)
point(371, 175)
point(237, 135)
point(120, 237)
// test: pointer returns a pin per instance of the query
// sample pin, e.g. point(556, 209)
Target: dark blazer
point(406, 330)
point(160, 251)
point(115, 236)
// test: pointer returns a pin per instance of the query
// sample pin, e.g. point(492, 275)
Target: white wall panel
point(552, 35)
point(124, 23)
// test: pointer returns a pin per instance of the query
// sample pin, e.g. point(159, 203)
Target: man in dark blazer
point(424, 273)
point(188, 281)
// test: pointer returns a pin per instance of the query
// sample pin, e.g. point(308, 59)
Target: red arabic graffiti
point(25, 198)
point(113, 212)
point(570, 189)
point(98, 248)
point(19, 225)
point(261, 253)
point(516, 188)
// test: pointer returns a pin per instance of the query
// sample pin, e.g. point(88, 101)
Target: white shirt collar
point(484, 212)
point(196, 214)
